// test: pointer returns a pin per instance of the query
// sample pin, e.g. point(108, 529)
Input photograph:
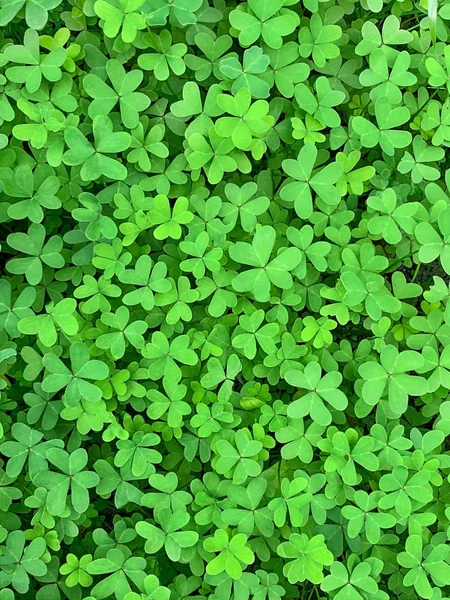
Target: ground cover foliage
point(224, 300)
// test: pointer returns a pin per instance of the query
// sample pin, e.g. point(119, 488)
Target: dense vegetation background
point(224, 300)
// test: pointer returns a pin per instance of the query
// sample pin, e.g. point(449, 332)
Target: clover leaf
point(94, 158)
point(261, 19)
point(73, 479)
point(309, 556)
point(265, 272)
point(317, 390)
point(233, 553)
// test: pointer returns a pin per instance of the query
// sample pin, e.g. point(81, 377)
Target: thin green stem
point(416, 272)
point(400, 260)
point(311, 594)
point(425, 104)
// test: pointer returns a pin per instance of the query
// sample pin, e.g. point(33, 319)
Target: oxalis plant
point(224, 300)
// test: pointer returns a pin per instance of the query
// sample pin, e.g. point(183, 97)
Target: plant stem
point(425, 104)
point(416, 272)
point(313, 589)
point(400, 260)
